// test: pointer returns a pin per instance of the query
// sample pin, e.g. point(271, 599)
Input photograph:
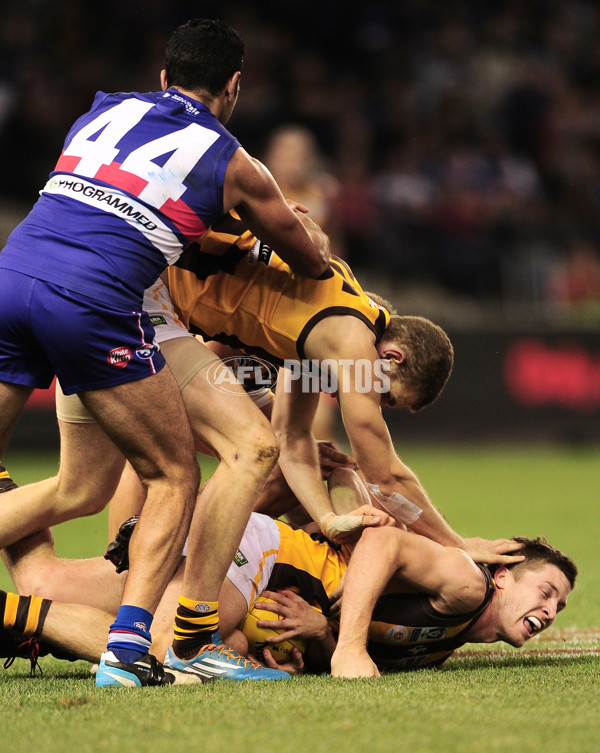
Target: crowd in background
point(455, 144)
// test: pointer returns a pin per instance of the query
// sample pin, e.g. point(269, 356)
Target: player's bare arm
point(350, 342)
point(447, 574)
point(373, 448)
point(252, 191)
point(293, 414)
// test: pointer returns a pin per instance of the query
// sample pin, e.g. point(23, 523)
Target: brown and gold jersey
point(234, 289)
point(406, 631)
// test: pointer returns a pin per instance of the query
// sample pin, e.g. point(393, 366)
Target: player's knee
point(177, 481)
point(254, 454)
point(342, 477)
point(87, 500)
point(39, 580)
point(266, 454)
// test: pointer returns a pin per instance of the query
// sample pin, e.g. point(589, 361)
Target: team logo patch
point(141, 626)
point(147, 351)
point(119, 357)
point(239, 559)
point(157, 320)
point(396, 634)
point(201, 607)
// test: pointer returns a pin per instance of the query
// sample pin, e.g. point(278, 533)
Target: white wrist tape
point(333, 525)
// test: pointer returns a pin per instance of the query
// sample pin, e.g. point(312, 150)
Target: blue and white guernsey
point(139, 179)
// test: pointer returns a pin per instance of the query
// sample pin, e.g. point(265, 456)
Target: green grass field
point(491, 698)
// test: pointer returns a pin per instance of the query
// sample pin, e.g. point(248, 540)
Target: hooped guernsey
point(238, 291)
point(140, 178)
point(406, 632)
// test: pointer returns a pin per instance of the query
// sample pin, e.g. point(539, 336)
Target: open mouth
point(533, 625)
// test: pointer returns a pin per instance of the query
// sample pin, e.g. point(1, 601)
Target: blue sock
point(129, 636)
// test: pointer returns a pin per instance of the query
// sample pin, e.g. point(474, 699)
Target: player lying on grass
point(412, 606)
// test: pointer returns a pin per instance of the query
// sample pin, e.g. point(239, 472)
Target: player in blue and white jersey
point(140, 178)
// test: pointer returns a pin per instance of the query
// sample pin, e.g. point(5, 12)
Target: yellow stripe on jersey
point(310, 566)
point(258, 577)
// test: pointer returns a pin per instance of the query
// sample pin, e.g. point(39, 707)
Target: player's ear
point(232, 87)
point(501, 577)
point(163, 80)
point(391, 353)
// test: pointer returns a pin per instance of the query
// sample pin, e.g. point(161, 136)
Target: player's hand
point(335, 600)
point(294, 667)
point(331, 458)
point(296, 206)
point(353, 664)
point(493, 552)
point(344, 529)
point(299, 618)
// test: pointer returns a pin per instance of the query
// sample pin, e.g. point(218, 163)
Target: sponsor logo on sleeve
point(239, 559)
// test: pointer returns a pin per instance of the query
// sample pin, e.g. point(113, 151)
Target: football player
point(408, 602)
point(140, 178)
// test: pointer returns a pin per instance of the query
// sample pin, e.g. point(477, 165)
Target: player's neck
point(198, 96)
point(484, 629)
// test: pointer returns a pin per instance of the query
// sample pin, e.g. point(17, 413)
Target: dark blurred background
point(452, 150)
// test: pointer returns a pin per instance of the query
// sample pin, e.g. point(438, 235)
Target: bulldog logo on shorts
point(119, 357)
point(147, 350)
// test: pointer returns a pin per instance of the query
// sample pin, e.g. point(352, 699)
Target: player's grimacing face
point(531, 602)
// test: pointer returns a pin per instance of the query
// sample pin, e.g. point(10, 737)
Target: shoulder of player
point(245, 175)
point(341, 336)
point(464, 585)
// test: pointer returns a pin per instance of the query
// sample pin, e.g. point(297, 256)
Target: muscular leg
point(235, 430)
point(35, 569)
point(134, 415)
point(12, 399)
point(85, 593)
point(245, 444)
point(90, 468)
point(127, 501)
point(232, 608)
